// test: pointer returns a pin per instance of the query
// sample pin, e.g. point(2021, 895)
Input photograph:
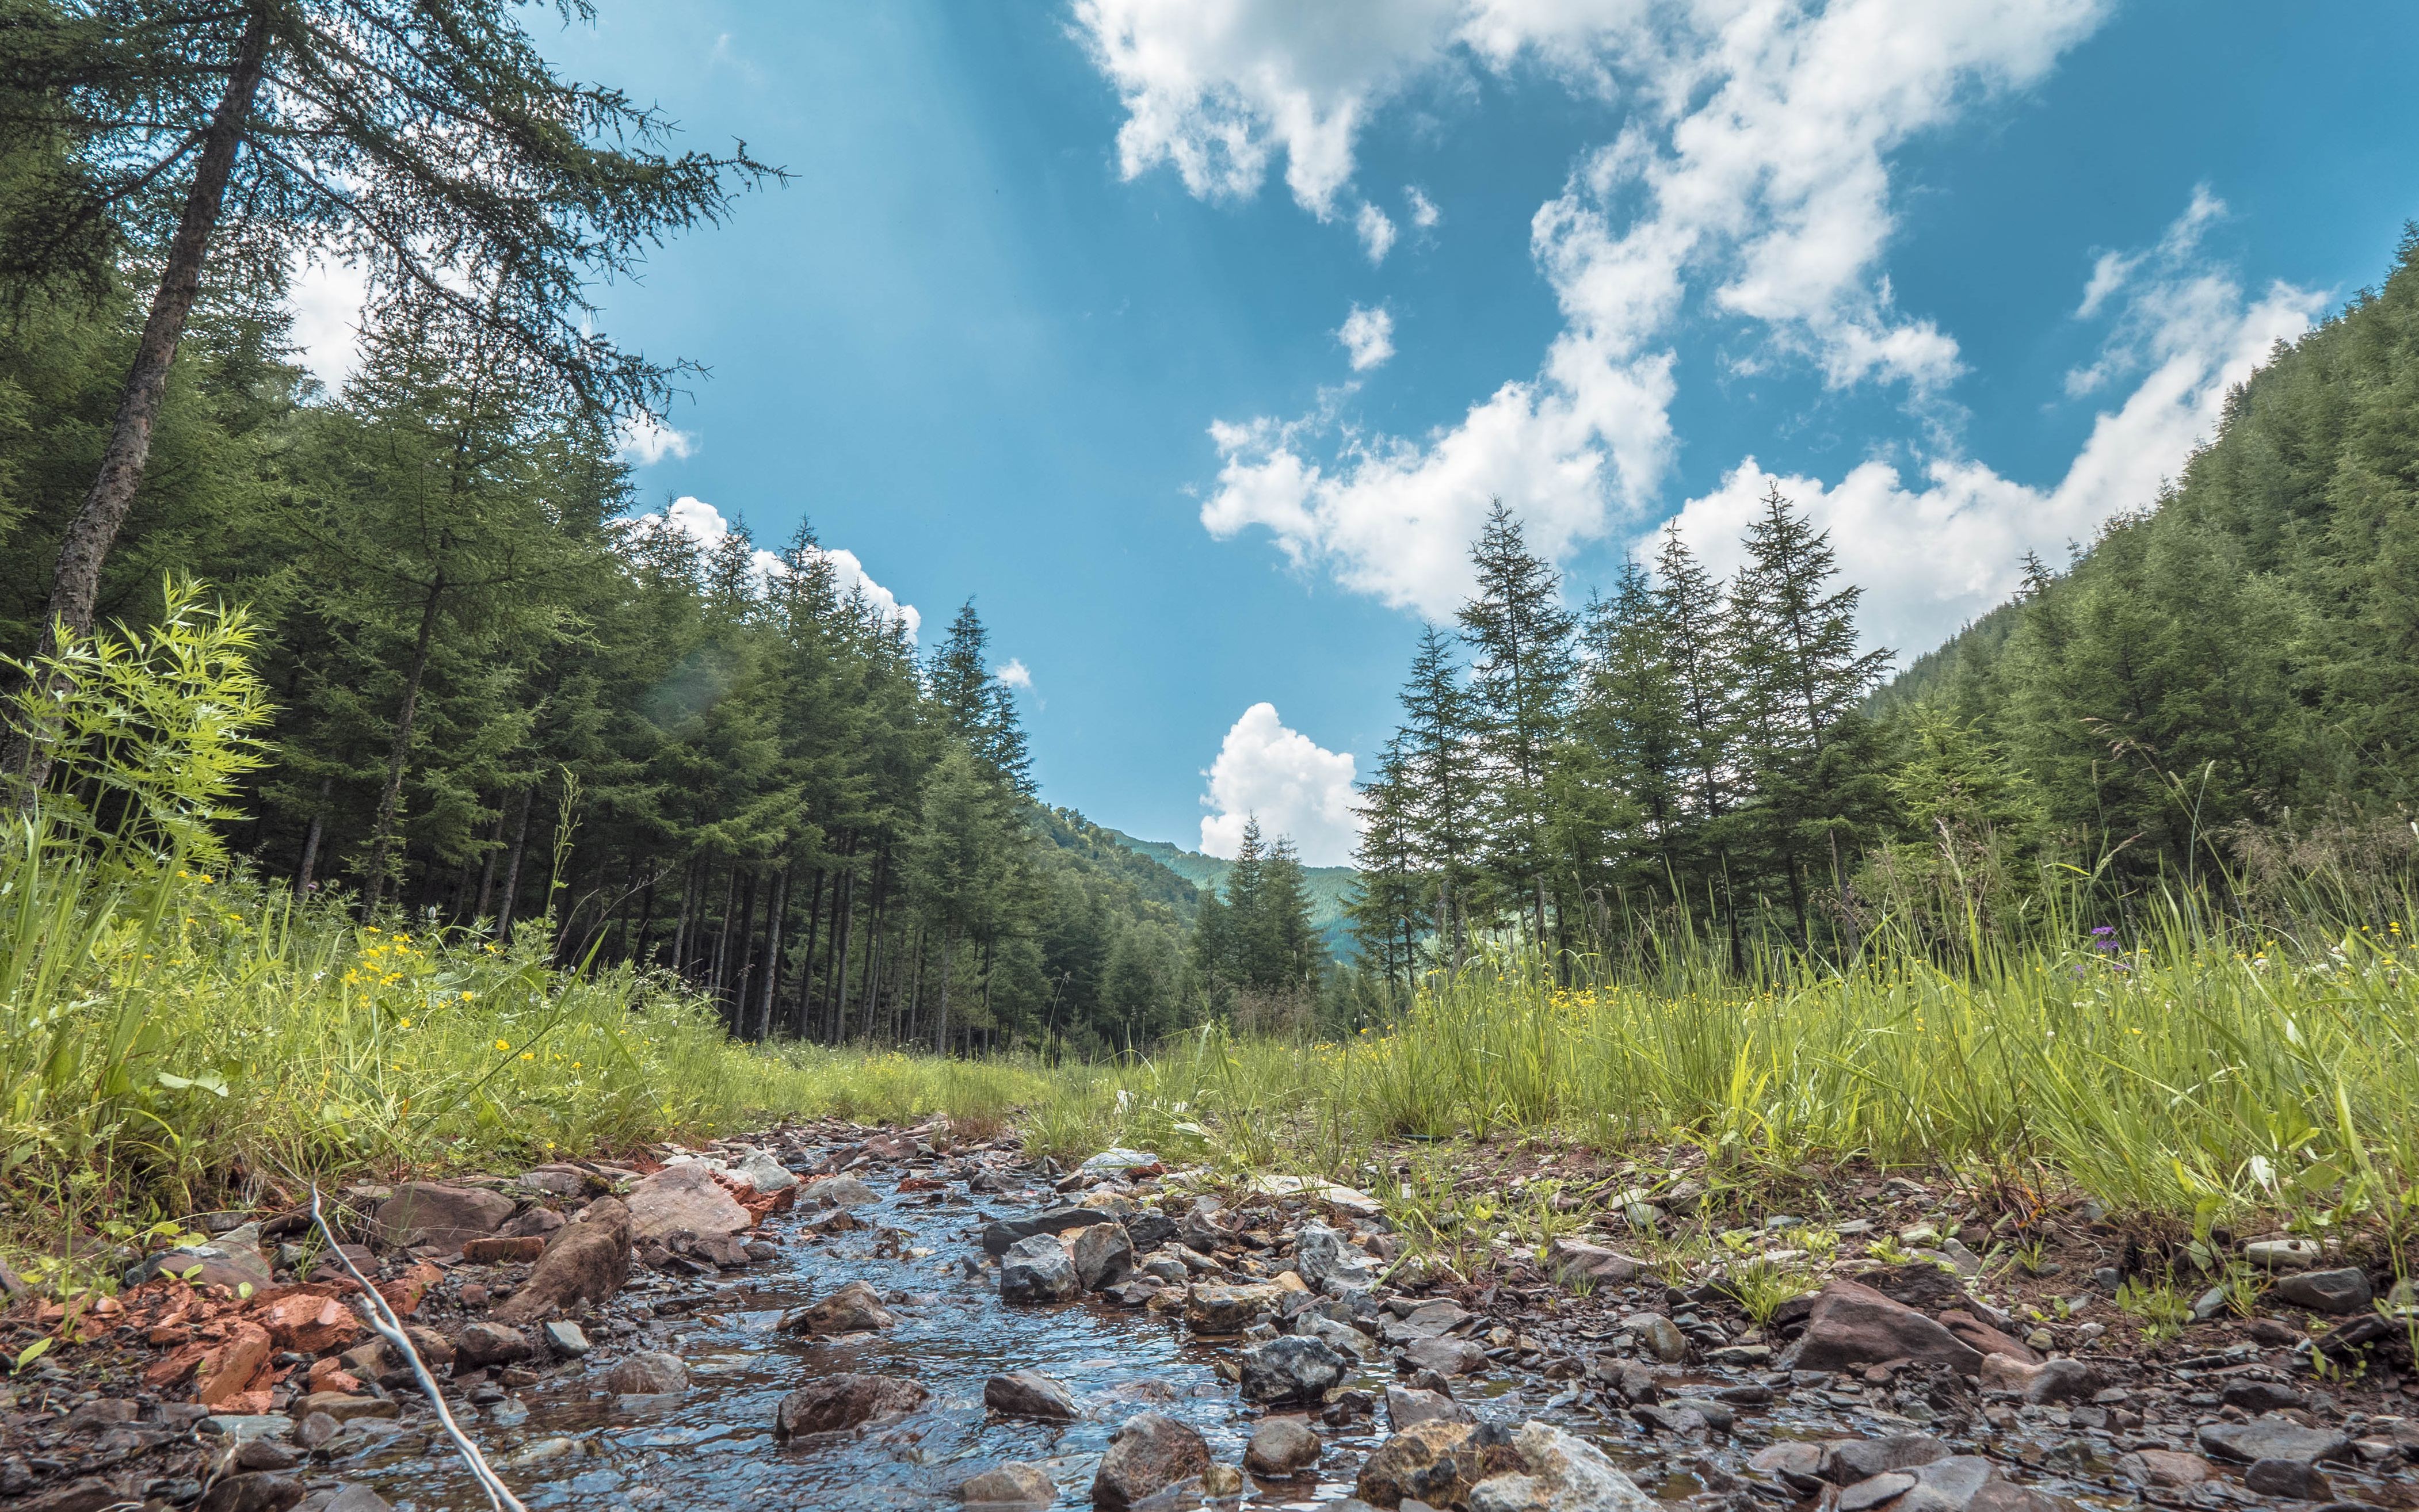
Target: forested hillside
point(2243, 650)
point(1329, 889)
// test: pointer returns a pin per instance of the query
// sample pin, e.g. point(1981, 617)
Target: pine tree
point(1519, 637)
point(1386, 908)
point(1442, 780)
point(1628, 717)
point(1692, 616)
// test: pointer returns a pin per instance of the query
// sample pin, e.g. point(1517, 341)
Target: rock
point(2296, 1480)
point(267, 1491)
point(854, 1308)
point(480, 1344)
point(1103, 1256)
point(227, 1372)
point(1329, 1262)
point(1560, 1474)
point(90, 1494)
point(1015, 1482)
point(2283, 1254)
point(761, 1170)
point(557, 1180)
point(1574, 1263)
point(1406, 1405)
point(1151, 1452)
point(587, 1260)
point(653, 1373)
point(1230, 1309)
point(312, 1325)
point(2271, 1438)
point(1202, 1228)
point(1917, 1284)
point(206, 1265)
point(1038, 1268)
point(1867, 1494)
point(1796, 1463)
point(1031, 1394)
point(565, 1338)
point(497, 1250)
point(1435, 1462)
point(2260, 1396)
point(1290, 1368)
point(356, 1499)
point(999, 1235)
point(835, 1404)
point(1982, 1338)
point(531, 1223)
point(682, 1197)
point(1342, 1338)
point(1447, 1356)
point(2163, 1467)
point(838, 1191)
point(1853, 1325)
point(344, 1407)
point(2346, 1291)
point(1222, 1480)
point(1661, 1336)
point(2061, 1381)
point(1846, 1461)
point(1281, 1448)
point(432, 1213)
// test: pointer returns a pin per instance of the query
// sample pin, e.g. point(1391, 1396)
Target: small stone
point(854, 1308)
point(2271, 1438)
point(435, 1213)
point(1329, 1261)
point(2296, 1480)
point(1222, 1480)
point(1038, 1268)
point(1851, 1460)
point(1015, 1482)
point(1291, 1368)
point(1282, 1447)
point(1406, 1405)
point(267, 1491)
point(1151, 1452)
point(2344, 1290)
point(2283, 1254)
point(761, 1170)
point(1874, 1492)
point(565, 1338)
point(2260, 1396)
point(480, 1344)
point(344, 1409)
point(653, 1373)
point(1560, 1473)
point(1446, 1356)
point(356, 1499)
point(314, 1429)
point(1103, 1255)
point(838, 1191)
point(1661, 1336)
point(1031, 1394)
point(1853, 1325)
point(1212, 1309)
point(2163, 1467)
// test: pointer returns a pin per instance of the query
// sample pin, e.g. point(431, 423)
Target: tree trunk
point(513, 868)
point(775, 920)
point(843, 935)
point(807, 960)
point(941, 1022)
point(487, 868)
point(75, 583)
point(311, 841)
point(399, 755)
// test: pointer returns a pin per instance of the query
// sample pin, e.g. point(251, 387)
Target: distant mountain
point(1330, 887)
point(1105, 851)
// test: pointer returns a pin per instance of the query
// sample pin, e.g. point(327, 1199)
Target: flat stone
point(2295, 1480)
point(1575, 1262)
point(1031, 1394)
point(2163, 1467)
point(2284, 1254)
point(2344, 1290)
point(1865, 1494)
point(651, 1373)
point(207, 1265)
point(565, 1338)
point(838, 1191)
point(1000, 1234)
point(852, 1308)
point(263, 1491)
point(761, 1170)
point(480, 1344)
point(1851, 1325)
point(1149, 1453)
point(1560, 1473)
point(1846, 1461)
point(1212, 1309)
point(2271, 1438)
point(497, 1250)
point(1406, 1405)
point(344, 1407)
point(1281, 1448)
point(1447, 1356)
point(241, 1425)
point(435, 1213)
point(683, 1198)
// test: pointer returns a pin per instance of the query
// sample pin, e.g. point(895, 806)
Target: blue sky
point(1049, 313)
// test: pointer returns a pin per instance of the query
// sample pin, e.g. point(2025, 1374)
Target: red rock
point(504, 1251)
point(432, 1213)
point(837, 1403)
point(1853, 1325)
point(226, 1373)
point(683, 1197)
point(586, 1260)
point(1981, 1336)
point(310, 1324)
point(1149, 1453)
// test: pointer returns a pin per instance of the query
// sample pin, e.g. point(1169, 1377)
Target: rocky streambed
point(832, 1316)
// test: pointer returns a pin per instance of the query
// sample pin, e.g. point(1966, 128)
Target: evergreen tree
point(1442, 780)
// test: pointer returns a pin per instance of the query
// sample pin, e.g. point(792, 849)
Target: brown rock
point(1281, 1447)
point(1979, 1336)
point(653, 1373)
point(1230, 1309)
point(835, 1404)
point(1917, 1284)
point(682, 1197)
point(431, 1213)
point(1030, 1394)
point(1853, 1325)
point(311, 1324)
point(1435, 1462)
point(1574, 1263)
point(2163, 1467)
point(533, 1223)
point(854, 1309)
point(586, 1260)
point(264, 1491)
point(1015, 1482)
point(343, 1408)
point(502, 1251)
point(480, 1344)
point(1151, 1452)
point(90, 1494)
point(227, 1372)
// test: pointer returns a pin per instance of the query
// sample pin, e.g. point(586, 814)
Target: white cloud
point(703, 523)
point(325, 298)
point(1295, 788)
point(1377, 232)
point(1935, 553)
point(1369, 335)
point(1425, 214)
point(1015, 674)
point(646, 440)
point(1752, 171)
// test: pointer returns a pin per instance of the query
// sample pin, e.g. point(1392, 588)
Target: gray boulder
point(1038, 1269)
point(1291, 1368)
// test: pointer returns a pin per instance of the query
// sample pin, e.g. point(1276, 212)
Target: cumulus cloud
point(1377, 232)
point(1425, 214)
point(1936, 551)
point(1369, 336)
point(703, 523)
point(1750, 173)
point(1295, 788)
point(646, 440)
point(1015, 674)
